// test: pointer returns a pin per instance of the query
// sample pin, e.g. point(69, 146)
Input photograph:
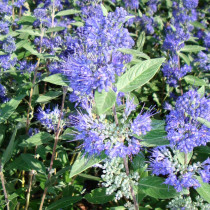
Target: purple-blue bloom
point(164, 162)
point(205, 172)
point(173, 72)
point(92, 58)
point(184, 131)
point(49, 118)
point(190, 4)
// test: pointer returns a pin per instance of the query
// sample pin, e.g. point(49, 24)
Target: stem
point(20, 11)
point(115, 115)
point(126, 164)
point(131, 188)
point(4, 188)
point(31, 174)
point(185, 158)
point(29, 189)
point(28, 121)
point(58, 130)
point(180, 83)
point(13, 10)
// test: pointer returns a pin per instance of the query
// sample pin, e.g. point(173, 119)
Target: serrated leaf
point(63, 203)
point(8, 152)
point(55, 29)
point(185, 58)
point(6, 110)
point(83, 163)
point(192, 48)
point(29, 19)
point(32, 50)
point(32, 163)
point(77, 23)
point(99, 196)
point(134, 53)
point(203, 121)
point(201, 91)
point(67, 12)
point(105, 12)
point(30, 32)
point(194, 81)
point(37, 139)
point(154, 138)
point(141, 41)
point(181, 157)
point(204, 190)
point(48, 96)
point(57, 79)
point(154, 187)
point(139, 75)
point(104, 101)
point(198, 24)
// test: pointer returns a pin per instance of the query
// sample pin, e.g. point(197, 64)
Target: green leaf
point(48, 96)
point(8, 152)
point(181, 157)
point(32, 163)
point(154, 138)
point(55, 29)
point(154, 187)
point(194, 81)
point(6, 110)
point(203, 121)
point(83, 163)
point(29, 19)
point(32, 50)
point(77, 23)
point(67, 12)
point(64, 203)
point(21, 43)
point(185, 58)
point(204, 190)
point(198, 25)
point(105, 12)
point(139, 75)
point(98, 196)
point(104, 101)
point(2, 133)
point(30, 32)
point(134, 53)
point(57, 79)
point(192, 48)
point(201, 91)
point(141, 41)
point(37, 139)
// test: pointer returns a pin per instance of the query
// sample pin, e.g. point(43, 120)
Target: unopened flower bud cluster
point(116, 180)
point(186, 203)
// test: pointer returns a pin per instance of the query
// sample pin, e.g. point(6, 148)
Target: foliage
point(104, 104)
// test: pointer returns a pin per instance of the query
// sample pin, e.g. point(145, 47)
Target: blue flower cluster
point(130, 4)
point(49, 118)
point(3, 97)
point(184, 131)
point(100, 135)
point(7, 45)
point(203, 61)
point(92, 59)
point(173, 72)
point(164, 161)
point(176, 34)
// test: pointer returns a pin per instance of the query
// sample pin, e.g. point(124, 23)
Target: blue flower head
point(184, 131)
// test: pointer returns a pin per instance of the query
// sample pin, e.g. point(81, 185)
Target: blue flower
point(49, 118)
point(183, 129)
point(190, 4)
point(173, 72)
